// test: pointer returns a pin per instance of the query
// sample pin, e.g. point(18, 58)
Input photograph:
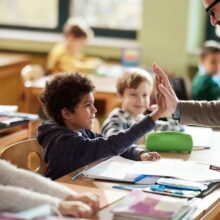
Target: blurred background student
point(66, 56)
point(204, 87)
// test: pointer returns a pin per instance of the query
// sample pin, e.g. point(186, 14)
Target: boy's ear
point(65, 113)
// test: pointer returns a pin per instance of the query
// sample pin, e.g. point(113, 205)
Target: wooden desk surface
point(102, 83)
point(105, 89)
point(7, 59)
point(209, 207)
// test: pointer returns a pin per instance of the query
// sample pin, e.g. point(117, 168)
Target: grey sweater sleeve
point(13, 176)
point(200, 113)
point(15, 199)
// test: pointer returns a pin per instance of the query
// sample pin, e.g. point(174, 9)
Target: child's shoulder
point(58, 50)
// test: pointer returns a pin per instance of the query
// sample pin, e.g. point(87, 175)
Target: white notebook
point(201, 136)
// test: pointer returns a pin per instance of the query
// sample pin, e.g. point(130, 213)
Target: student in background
point(21, 190)
point(67, 141)
point(203, 86)
point(134, 89)
point(66, 56)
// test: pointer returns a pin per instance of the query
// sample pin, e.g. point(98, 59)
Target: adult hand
point(75, 208)
point(150, 156)
point(89, 198)
point(163, 86)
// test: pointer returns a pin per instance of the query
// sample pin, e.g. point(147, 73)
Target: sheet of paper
point(115, 168)
point(201, 136)
point(8, 108)
point(118, 168)
point(173, 168)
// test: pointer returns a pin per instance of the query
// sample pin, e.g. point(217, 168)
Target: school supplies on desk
point(121, 169)
point(166, 141)
point(15, 118)
point(160, 189)
point(182, 184)
point(139, 205)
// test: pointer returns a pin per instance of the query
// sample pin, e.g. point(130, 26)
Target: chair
point(25, 154)
point(179, 87)
point(32, 72)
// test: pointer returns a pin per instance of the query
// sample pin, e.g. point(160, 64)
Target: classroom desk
point(10, 79)
point(209, 207)
point(105, 90)
point(18, 133)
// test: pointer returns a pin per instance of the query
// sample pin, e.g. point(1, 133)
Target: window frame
point(63, 15)
point(63, 12)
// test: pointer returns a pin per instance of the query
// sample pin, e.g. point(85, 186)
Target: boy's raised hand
point(163, 86)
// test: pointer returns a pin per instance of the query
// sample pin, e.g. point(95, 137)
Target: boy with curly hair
point(67, 141)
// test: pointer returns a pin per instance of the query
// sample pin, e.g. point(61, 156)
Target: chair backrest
point(25, 154)
point(179, 86)
point(32, 72)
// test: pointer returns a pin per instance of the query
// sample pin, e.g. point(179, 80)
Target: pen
point(128, 186)
point(158, 188)
point(78, 174)
point(211, 166)
point(138, 178)
point(201, 148)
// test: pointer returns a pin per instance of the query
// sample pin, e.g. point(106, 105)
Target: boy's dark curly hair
point(64, 91)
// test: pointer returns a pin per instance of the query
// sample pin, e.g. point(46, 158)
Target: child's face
point(76, 44)
point(83, 115)
point(136, 101)
point(211, 63)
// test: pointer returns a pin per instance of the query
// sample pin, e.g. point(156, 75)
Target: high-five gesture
point(163, 86)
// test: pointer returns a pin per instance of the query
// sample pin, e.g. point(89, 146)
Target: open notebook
point(201, 136)
point(121, 169)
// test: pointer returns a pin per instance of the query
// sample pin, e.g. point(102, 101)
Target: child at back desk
point(67, 141)
point(203, 86)
point(66, 56)
point(134, 88)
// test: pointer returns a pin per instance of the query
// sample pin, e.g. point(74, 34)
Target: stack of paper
point(140, 205)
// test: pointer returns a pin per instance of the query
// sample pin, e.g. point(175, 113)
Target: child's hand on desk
point(150, 156)
point(75, 208)
point(89, 198)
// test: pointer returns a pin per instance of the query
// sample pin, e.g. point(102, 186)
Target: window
point(32, 15)
point(112, 18)
point(115, 18)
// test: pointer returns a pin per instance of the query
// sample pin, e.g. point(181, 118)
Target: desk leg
point(31, 102)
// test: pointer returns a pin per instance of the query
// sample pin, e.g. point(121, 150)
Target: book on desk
point(139, 205)
point(15, 118)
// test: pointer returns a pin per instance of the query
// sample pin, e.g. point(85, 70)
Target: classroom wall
point(164, 37)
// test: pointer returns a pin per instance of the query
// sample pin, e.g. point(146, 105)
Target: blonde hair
point(132, 79)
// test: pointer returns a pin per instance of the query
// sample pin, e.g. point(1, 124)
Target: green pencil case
point(168, 141)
